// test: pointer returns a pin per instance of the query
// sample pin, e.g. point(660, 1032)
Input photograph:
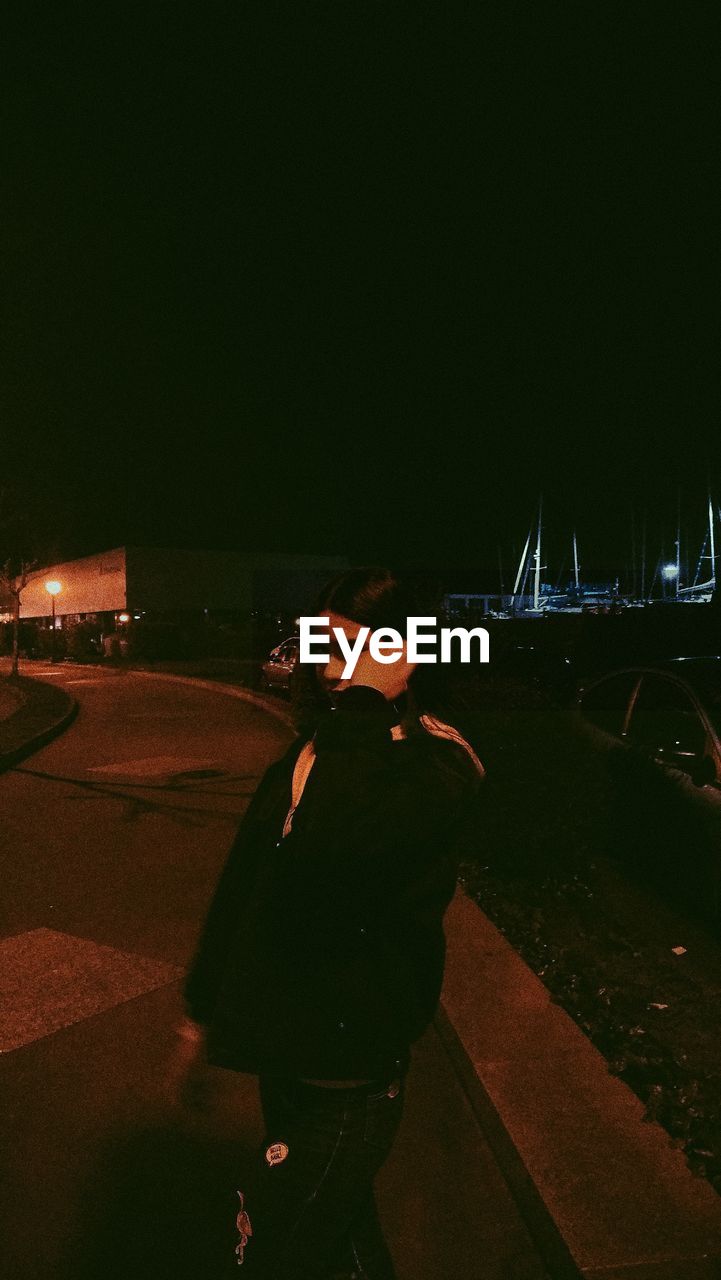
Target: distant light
point(123, 617)
point(53, 588)
point(669, 571)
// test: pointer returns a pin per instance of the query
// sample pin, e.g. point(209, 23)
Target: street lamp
point(53, 589)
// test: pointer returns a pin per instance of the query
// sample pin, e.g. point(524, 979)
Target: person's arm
point(206, 967)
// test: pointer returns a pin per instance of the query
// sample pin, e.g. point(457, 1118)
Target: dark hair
point(377, 597)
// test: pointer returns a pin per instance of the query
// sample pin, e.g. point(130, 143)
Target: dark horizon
point(463, 572)
point(361, 284)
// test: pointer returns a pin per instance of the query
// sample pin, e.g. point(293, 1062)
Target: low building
point(115, 589)
point(473, 604)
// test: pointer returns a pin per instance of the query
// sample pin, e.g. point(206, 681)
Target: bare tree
point(15, 572)
point(12, 585)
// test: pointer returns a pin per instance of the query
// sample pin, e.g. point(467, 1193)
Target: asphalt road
point(111, 842)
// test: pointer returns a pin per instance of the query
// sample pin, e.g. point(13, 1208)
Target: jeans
point(308, 1210)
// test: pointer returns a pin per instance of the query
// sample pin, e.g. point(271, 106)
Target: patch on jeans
point(276, 1153)
point(242, 1222)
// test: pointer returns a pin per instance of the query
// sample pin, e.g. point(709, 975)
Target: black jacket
point(322, 954)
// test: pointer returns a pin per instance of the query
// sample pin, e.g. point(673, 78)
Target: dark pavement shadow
point(157, 1204)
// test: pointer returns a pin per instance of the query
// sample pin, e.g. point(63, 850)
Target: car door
point(672, 817)
point(605, 705)
point(667, 724)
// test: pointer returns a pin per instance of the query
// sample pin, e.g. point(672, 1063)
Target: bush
point(224, 640)
point(44, 643)
point(28, 643)
point(83, 641)
point(160, 640)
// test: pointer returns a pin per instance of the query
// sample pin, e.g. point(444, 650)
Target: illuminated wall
point(170, 581)
point(94, 584)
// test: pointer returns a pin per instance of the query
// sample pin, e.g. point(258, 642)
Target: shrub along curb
point(44, 714)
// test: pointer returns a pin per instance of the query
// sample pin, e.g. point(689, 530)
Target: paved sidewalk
point(519, 1158)
point(446, 1209)
point(32, 713)
point(606, 1194)
point(111, 841)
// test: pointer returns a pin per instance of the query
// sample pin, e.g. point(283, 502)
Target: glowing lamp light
point(53, 588)
point(123, 617)
point(669, 571)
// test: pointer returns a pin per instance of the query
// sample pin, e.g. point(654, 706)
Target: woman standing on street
point(321, 959)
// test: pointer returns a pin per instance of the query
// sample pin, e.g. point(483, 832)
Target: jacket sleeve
point(203, 977)
point(367, 829)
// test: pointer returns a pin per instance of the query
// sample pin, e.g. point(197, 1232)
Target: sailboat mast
point(575, 558)
point(643, 558)
point(537, 574)
point(712, 544)
point(678, 545)
point(520, 570)
point(656, 573)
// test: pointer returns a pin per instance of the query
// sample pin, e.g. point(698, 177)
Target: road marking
point(51, 980)
point(89, 680)
point(51, 671)
point(62, 675)
point(63, 672)
point(157, 767)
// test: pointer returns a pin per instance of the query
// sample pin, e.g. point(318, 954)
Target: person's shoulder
point(445, 754)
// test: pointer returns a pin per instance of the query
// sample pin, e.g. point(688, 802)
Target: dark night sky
point(348, 279)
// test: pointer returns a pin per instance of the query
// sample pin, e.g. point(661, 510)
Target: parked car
point(659, 728)
point(278, 671)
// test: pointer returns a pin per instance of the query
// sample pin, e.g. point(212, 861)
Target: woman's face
point(389, 678)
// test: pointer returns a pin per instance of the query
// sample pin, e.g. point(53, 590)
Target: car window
point(665, 721)
point(605, 704)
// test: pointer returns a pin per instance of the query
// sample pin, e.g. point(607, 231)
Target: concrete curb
point(603, 1193)
point(68, 708)
point(217, 686)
